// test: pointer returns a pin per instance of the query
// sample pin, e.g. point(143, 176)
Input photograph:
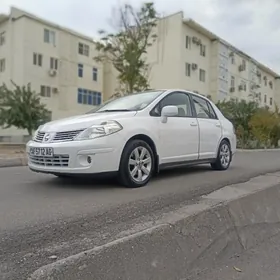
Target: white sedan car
point(135, 136)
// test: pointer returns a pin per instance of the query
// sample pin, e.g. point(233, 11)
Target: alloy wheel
point(225, 155)
point(140, 164)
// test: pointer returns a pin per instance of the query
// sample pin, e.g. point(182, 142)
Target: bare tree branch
point(126, 47)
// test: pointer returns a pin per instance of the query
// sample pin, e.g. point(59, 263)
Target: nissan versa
point(135, 136)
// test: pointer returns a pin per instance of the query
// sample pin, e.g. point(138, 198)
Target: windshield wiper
point(115, 110)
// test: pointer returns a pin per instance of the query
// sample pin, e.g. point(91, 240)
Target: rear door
point(209, 126)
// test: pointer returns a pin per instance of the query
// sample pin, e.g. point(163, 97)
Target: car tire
point(137, 164)
point(223, 159)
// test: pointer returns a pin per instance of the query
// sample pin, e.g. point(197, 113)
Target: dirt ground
point(11, 150)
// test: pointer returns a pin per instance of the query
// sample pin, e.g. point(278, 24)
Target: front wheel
point(223, 159)
point(137, 164)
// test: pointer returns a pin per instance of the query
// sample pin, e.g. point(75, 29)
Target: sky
point(251, 25)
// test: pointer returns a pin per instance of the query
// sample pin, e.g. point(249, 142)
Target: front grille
point(39, 137)
point(55, 161)
point(59, 136)
point(66, 136)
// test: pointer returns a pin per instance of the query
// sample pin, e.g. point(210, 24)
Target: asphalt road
point(259, 263)
point(42, 216)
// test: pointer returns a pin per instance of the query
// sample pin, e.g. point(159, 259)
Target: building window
point(271, 84)
point(232, 59)
point(94, 74)
point(265, 81)
point(188, 42)
point(265, 99)
point(2, 65)
point(202, 75)
point(244, 64)
point(2, 38)
point(45, 91)
point(49, 36)
point(83, 49)
point(270, 101)
point(202, 50)
point(88, 97)
point(188, 69)
point(53, 63)
point(37, 59)
point(243, 85)
point(80, 70)
point(232, 82)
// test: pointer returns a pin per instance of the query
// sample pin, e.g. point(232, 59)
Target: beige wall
point(164, 55)
point(192, 55)
point(5, 51)
point(110, 81)
point(24, 37)
point(277, 92)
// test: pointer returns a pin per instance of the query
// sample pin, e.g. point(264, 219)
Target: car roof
point(184, 90)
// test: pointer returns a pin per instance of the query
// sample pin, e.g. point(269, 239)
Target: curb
point(223, 223)
point(13, 162)
point(258, 150)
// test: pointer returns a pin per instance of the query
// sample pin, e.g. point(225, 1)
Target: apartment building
point(57, 62)
point(187, 55)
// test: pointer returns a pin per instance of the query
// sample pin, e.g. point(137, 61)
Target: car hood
point(84, 121)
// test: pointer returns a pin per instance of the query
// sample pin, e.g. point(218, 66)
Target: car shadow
point(85, 182)
point(182, 171)
point(111, 182)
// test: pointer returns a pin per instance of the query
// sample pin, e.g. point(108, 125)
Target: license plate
point(41, 152)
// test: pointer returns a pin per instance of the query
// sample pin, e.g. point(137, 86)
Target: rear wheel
point(137, 164)
point(223, 159)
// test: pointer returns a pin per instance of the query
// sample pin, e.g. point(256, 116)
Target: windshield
point(133, 102)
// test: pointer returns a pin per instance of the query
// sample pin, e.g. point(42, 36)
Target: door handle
point(218, 124)
point(193, 124)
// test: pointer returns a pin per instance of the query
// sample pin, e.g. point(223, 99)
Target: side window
point(179, 99)
point(211, 111)
point(203, 108)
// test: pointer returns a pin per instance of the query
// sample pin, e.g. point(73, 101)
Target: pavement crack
point(234, 227)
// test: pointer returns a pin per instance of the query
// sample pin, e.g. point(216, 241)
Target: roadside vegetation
point(256, 127)
point(22, 108)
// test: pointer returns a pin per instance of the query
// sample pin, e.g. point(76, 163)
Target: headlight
point(95, 131)
point(36, 132)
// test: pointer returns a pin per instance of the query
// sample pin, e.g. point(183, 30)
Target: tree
point(275, 134)
point(262, 125)
point(21, 107)
point(126, 48)
point(240, 114)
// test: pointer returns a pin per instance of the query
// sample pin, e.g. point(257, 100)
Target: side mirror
point(168, 111)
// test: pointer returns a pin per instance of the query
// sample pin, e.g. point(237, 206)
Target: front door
point(179, 136)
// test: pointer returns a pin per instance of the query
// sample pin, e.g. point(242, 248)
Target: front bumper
point(73, 157)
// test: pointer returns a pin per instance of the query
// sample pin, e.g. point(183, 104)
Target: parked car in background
point(135, 136)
